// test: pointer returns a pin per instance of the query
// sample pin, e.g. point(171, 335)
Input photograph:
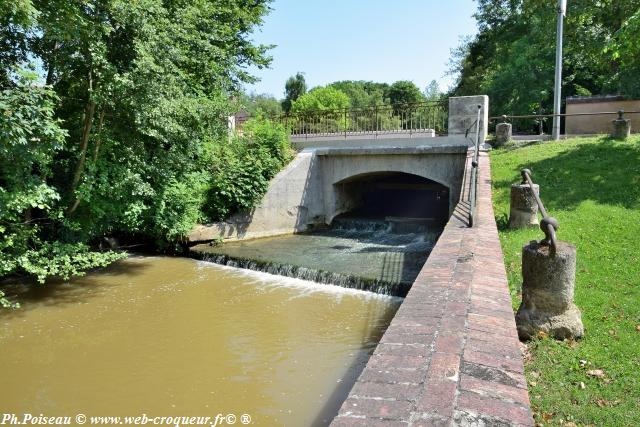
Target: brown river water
point(177, 337)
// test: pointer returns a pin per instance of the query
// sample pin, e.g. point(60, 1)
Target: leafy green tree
point(16, 20)
point(294, 88)
point(330, 102)
point(321, 99)
point(30, 212)
point(432, 92)
point(143, 90)
point(362, 94)
point(624, 50)
point(264, 104)
point(512, 58)
point(243, 167)
point(404, 92)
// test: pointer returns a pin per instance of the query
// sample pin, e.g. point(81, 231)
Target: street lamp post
point(557, 93)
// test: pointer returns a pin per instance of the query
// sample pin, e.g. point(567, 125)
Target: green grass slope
point(592, 186)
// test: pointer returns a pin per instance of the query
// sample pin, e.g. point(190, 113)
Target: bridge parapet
point(463, 112)
point(396, 141)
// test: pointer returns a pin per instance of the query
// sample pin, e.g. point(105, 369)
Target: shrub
point(244, 166)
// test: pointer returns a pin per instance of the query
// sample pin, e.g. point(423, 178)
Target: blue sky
point(377, 40)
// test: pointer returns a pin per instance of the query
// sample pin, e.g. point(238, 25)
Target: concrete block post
point(503, 134)
point(621, 127)
point(523, 212)
point(547, 292)
point(463, 111)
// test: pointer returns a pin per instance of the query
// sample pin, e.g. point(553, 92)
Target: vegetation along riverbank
point(114, 123)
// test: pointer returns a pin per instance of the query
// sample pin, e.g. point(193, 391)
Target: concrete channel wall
point(287, 207)
point(451, 355)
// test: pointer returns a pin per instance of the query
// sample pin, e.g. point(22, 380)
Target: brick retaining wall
point(451, 355)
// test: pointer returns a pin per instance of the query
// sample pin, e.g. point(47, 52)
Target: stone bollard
point(503, 134)
point(524, 209)
point(547, 292)
point(621, 127)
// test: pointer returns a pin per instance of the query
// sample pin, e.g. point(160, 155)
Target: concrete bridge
point(333, 175)
point(320, 184)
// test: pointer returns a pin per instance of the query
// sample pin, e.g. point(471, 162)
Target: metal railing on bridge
point(430, 118)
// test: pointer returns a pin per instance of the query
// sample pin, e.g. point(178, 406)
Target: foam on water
point(306, 287)
point(359, 254)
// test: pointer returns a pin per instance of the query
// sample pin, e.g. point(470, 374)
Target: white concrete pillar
point(463, 112)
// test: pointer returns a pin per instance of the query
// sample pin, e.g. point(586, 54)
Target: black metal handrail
point(474, 172)
point(549, 225)
point(368, 108)
point(386, 118)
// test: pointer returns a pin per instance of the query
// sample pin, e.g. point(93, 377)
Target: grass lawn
point(592, 186)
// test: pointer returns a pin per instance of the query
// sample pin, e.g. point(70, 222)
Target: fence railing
point(419, 118)
point(549, 224)
point(531, 124)
point(473, 196)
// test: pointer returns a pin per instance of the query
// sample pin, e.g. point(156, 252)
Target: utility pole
point(557, 93)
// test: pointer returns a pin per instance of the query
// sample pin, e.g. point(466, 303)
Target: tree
point(30, 138)
point(511, 59)
point(321, 99)
point(404, 92)
point(143, 89)
point(362, 94)
point(265, 104)
point(624, 49)
point(16, 21)
point(245, 166)
point(294, 88)
point(329, 102)
point(432, 91)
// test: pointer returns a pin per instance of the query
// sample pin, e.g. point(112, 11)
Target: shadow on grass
point(502, 221)
point(606, 172)
point(515, 145)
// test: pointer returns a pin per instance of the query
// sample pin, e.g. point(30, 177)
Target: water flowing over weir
point(381, 255)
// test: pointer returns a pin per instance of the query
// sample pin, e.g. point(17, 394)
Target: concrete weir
point(451, 355)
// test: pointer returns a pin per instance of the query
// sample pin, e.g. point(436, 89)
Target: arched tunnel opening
point(400, 198)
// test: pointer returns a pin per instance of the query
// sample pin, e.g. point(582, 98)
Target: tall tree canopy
point(362, 94)
point(294, 88)
point(139, 91)
point(404, 92)
point(512, 58)
point(432, 92)
point(321, 99)
point(263, 103)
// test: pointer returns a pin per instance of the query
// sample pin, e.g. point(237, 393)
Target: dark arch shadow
point(379, 195)
point(360, 176)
